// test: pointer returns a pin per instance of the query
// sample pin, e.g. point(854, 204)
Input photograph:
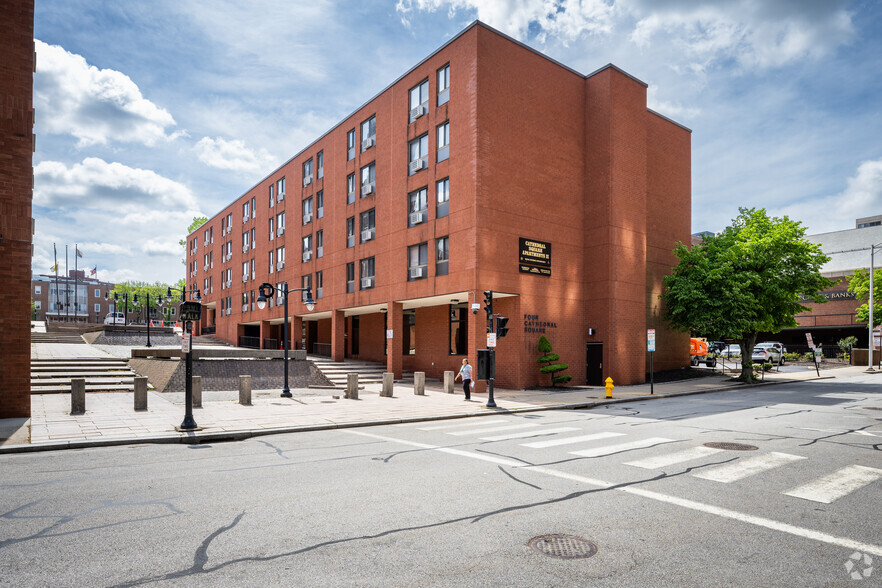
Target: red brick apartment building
point(488, 166)
point(17, 63)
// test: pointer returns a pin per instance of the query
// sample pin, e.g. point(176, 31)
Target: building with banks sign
point(486, 166)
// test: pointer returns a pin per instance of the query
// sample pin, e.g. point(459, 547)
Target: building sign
point(532, 324)
point(838, 295)
point(534, 257)
point(191, 311)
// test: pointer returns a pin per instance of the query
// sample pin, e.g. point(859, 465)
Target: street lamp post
point(147, 322)
point(267, 290)
point(189, 423)
point(116, 307)
point(870, 322)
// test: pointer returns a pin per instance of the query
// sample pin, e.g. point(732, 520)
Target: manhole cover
point(731, 446)
point(873, 407)
point(563, 546)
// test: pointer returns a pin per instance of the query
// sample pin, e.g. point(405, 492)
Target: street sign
point(191, 311)
point(808, 338)
point(491, 339)
point(650, 339)
point(388, 333)
point(185, 343)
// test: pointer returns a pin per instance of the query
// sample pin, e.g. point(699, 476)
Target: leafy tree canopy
point(198, 221)
point(859, 285)
point(747, 279)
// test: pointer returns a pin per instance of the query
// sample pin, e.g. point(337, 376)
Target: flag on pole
point(79, 253)
point(94, 271)
point(54, 268)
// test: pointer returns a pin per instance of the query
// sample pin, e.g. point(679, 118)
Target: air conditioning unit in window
point(307, 181)
point(307, 255)
point(244, 308)
point(280, 266)
point(418, 111)
point(307, 218)
point(205, 267)
point(281, 231)
point(272, 236)
point(367, 189)
point(229, 283)
point(244, 279)
point(245, 219)
point(245, 248)
point(368, 143)
point(367, 283)
point(417, 165)
point(416, 272)
point(367, 235)
point(416, 218)
point(229, 311)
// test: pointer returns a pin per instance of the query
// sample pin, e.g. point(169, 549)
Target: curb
point(221, 436)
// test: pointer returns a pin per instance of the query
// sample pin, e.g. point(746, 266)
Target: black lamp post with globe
point(266, 291)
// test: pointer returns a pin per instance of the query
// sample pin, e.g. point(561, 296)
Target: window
point(280, 259)
point(253, 240)
point(245, 271)
point(38, 289)
point(229, 250)
point(245, 215)
point(272, 195)
point(444, 141)
point(368, 175)
point(307, 248)
point(350, 145)
point(280, 224)
point(408, 340)
point(350, 232)
point(230, 222)
point(368, 227)
point(307, 211)
point(319, 243)
point(280, 190)
point(245, 301)
point(205, 239)
point(367, 273)
point(320, 204)
point(272, 224)
point(253, 208)
point(442, 198)
point(272, 262)
point(96, 307)
point(368, 133)
point(307, 172)
point(350, 277)
point(245, 246)
point(418, 207)
point(350, 189)
point(442, 255)
point(305, 282)
point(97, 293)
point(417, 261)
point(419, 100)
point(419, 154)
point(320, 165)
point(39, 305)
point(457, 328)
point(444, 84)
point(211, 233)
point(318, 285)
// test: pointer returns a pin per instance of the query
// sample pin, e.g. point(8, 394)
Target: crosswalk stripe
point(522, 434)
point(843, 395)
point(747, 467)
point(493, 429)
point(610, 449)
point(669, 459)
point(460, 425)
point(837, 484)
point(570, 440)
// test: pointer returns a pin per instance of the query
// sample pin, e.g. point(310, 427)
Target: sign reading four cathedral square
point(534, 257)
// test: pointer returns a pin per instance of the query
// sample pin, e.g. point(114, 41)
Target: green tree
point(747, 279)
point(551, 366)
point(859, 285)
point(157, 291)
point(198, 221)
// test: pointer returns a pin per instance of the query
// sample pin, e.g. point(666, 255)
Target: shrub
point(846, 344)
point(550, 360)
point(792, 356)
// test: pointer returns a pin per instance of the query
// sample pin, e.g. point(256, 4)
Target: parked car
point(115, 318)
point(732, 351)
point(769, 352)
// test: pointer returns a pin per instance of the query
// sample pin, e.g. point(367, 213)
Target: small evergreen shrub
point(551, 361)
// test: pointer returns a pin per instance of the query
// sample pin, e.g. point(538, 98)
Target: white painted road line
point(747, 467)
point(843, 395)
point(493, 429)
point(610, 449)
point(725, 513)
point(461, 424)
point(522, 434)
point(837, 484)
point(570, 440)
point(669, 459)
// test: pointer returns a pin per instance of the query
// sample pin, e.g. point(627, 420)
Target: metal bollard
point(352, 386)
point(140, 393)
point(419, 383)
point(197, 391)
point(448, 382)
point(245, 390)
point(388, 379)
point(78, 396)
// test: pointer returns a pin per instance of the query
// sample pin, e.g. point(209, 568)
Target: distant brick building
point(74, 298)
point(487, 166)
point(16, 193)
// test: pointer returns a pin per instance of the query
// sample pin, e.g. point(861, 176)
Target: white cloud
point(97, 184)
point(232, 155)
point(162, 247)
point(94, 105)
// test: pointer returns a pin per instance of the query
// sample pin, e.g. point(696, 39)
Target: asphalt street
point(456, 503)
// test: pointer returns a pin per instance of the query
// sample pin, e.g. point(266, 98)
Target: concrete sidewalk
point(110, 418)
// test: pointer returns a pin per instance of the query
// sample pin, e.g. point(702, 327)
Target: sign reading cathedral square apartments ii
point(534, 257)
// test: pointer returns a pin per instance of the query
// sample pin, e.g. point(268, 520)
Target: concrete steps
point(53, 376)
point(210, 340)
point(337, 371)
point(70, 338)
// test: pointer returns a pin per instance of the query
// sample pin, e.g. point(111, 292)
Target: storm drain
point(563, 546)
point(731, 446)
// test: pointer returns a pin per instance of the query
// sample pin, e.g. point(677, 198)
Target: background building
point(488, 166)
point(16, 194)
point(75, 298)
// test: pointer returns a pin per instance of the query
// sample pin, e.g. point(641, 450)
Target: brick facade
point(16, 191)
point(536, 151)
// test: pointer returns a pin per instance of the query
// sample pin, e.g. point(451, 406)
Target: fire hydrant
point(609, 387)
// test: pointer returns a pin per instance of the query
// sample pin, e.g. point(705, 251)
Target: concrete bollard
point(197, 391)
point(419, 383)
point(388, 379)
point(352, 386)
point(245, 390)
point(140, 393)
point(448, 382)
point(78, 396)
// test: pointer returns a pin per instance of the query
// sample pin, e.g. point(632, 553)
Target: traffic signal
point(501, 329)
point(488, 303)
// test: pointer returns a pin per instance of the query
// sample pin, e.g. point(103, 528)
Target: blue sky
point(152, 112)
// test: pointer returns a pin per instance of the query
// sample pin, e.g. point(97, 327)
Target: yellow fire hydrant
point(609, 387)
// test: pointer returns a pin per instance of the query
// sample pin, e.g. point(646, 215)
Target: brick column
point(395, 322)
point(264, 332)
point(295, 332)
point(338, 332)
